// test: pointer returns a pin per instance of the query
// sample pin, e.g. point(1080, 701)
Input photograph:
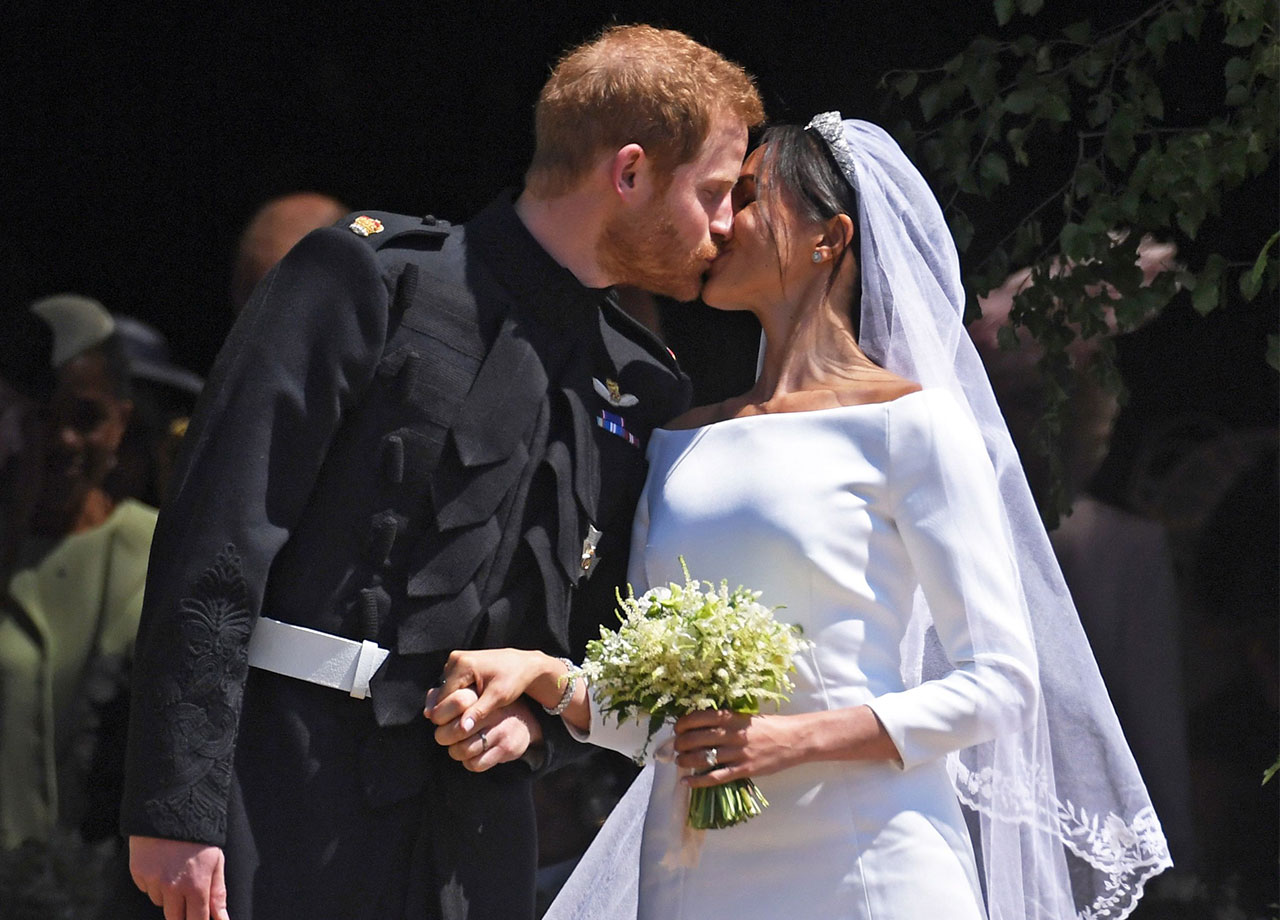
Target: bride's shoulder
point(885, 388)
point(697, 417)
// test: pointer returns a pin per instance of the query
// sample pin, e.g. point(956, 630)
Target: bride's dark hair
point(798, 166)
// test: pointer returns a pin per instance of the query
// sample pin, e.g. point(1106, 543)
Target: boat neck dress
point(838, 516)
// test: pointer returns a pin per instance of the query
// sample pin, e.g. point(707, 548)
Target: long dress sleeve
point(301, 354)
point(947, 510)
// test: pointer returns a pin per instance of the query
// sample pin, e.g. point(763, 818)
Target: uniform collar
point(539, 284)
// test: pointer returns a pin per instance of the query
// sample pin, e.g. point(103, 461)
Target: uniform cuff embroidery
point(200, 710)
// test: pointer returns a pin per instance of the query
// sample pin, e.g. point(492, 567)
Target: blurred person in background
point(272, 232)
point(1220, 502)
point(76, 563)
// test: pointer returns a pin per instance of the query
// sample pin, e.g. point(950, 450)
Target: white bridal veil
point(1063, 824)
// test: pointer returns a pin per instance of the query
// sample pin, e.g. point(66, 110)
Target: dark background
point(140, 138)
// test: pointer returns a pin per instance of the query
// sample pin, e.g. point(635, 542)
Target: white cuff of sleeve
point(887, 711)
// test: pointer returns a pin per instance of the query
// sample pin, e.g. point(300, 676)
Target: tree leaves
point(1251, 281)
point(1078, 32)
point(1006, 8)
point(1208, 289)
point(993, 107)
point(961, 228)
point(1023, 101)
point(1236, 96)
point(905, 84)
point(1076, 242)
point(994, 168)
point(1237, 70)
point(1055, 108)
point(996, 116)
point(1245, 32)
point(930, 102)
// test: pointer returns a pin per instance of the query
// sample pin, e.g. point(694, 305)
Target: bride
point(949, 747)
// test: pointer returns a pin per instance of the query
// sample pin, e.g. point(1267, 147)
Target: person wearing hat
point(37, 342)
point(75, 561)
point(164, 395)
point(418, 438)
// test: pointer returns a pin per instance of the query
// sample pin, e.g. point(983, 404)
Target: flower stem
point(726, 805)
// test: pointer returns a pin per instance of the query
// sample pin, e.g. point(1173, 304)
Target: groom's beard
point(646, 252)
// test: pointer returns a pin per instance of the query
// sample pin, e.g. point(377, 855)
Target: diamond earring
point(817, 256)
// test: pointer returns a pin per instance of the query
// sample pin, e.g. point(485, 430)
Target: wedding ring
point(484, 741)
point(711, 756)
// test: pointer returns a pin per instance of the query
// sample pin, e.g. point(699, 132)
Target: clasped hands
point(479, 709)
point(482, 717)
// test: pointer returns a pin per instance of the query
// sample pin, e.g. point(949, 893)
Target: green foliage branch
point(1001, 112)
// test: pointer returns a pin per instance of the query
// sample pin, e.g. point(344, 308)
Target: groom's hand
point(186, 879)
point(508, 734)
point(500, 676)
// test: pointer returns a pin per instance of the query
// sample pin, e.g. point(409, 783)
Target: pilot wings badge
point(611, 392)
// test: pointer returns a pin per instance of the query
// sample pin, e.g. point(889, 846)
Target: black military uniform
point(412, 438)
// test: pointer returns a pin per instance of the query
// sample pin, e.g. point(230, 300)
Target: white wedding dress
point(839, 516)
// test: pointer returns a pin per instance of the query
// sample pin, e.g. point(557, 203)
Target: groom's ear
point(627, 172)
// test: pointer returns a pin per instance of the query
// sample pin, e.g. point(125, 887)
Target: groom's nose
point(722, 220)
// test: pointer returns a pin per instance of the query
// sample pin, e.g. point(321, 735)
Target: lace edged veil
point(1061, 819)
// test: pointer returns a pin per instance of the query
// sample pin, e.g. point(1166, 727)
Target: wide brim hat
point(148, 352)
point(78, 323)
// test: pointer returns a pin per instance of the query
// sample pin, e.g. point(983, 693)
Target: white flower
point(680, 648)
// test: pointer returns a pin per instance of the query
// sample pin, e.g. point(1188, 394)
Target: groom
point(417, 438)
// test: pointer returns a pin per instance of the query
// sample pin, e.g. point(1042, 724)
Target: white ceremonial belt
point(314, 656)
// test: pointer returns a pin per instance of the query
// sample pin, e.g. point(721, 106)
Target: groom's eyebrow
point(723, 180)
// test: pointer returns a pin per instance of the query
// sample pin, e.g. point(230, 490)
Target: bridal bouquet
point(681, 648)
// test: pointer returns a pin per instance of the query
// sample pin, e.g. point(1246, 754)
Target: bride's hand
point(759, 745)
point(741, 745)
point(498, 677)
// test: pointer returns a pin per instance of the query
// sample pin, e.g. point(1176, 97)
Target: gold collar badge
point(365, 226)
